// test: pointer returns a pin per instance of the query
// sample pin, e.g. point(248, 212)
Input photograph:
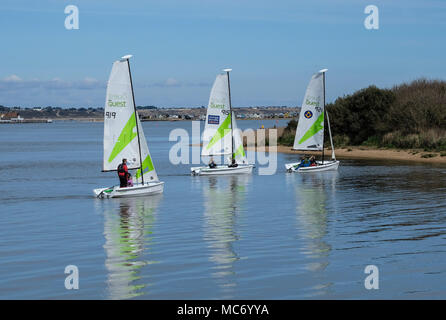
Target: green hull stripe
point(126, 136)
point(222, 130)
point(147, 166)
point(315, 128)
point(240, 152)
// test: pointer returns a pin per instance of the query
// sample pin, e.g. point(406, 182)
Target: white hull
point(331, 165)
point(147, 189)
point(222, 170)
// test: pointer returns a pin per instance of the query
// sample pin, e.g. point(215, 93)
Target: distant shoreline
point(40, 120)
point(145, 113)
point(356, 152)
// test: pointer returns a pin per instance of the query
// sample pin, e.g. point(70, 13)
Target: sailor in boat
point(313, 162)
point(304, 162)
point(129, 180)
point(212, 164)
point(233, 164)
point(122, 173)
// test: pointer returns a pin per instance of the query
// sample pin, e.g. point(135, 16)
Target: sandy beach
point(371, 153)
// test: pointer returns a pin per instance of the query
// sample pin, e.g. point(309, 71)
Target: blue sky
point(180, 45)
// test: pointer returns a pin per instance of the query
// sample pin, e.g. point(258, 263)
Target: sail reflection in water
point(223, 201)
point(315, 192)
point(128, 235)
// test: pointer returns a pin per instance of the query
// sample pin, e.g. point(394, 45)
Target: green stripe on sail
point(315, 128)
point(126, 136)
point(240, 152)
point(222, 130)
point(147, 166)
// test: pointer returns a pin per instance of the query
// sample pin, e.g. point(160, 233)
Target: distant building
point(11, 116)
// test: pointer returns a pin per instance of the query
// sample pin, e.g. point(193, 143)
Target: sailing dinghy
point(310, 128)
point(221, 135)
point(124, 137)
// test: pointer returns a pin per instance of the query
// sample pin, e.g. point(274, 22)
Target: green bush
point(341, 140)
point(429, 140)
point(361, 115)
point(373, 141)
point(407, 116)
point(291, 126)
point(418, 106)
point(287, 137)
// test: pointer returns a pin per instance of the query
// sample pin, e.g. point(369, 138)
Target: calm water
point(286, 236)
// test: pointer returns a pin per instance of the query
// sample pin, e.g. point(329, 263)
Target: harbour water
point(282, 236)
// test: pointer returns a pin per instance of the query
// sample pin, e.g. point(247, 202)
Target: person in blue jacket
point(304, 162)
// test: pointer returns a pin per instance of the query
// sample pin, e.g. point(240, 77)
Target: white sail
point(120, 126)
point(120, 134)
point(217, 131)
point(239, 150)
point(310, 128)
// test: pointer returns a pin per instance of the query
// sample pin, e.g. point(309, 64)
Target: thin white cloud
point(172, 82)
point(14, 82)
point(12, 78)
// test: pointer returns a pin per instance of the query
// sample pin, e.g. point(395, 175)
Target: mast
point(333, 156)
point(230, 114)
point(323, 134)
point(136, 118)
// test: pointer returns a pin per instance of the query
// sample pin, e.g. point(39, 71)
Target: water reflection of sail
point(313, 193)
point(223, 199)
point(128, 233)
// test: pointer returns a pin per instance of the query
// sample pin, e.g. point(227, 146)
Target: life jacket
point(122, 170)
